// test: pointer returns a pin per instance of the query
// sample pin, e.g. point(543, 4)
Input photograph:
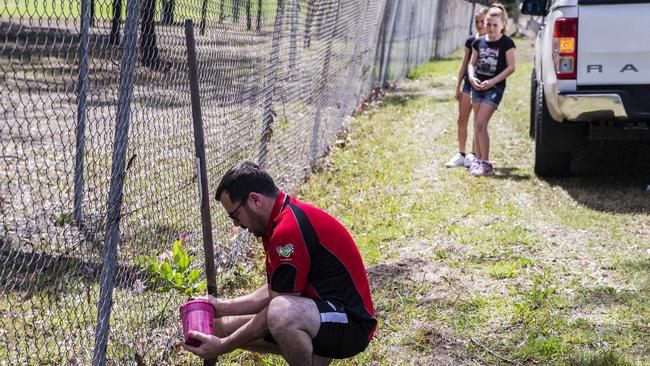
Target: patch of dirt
point(438, 346)
point(415, 266)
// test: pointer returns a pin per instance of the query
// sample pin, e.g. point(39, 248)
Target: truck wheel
point(548, 161)
point(533, 104)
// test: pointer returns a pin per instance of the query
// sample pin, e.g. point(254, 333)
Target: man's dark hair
point(244, 178)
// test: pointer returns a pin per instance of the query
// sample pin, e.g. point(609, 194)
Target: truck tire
point(548, 161)
point(533, 104)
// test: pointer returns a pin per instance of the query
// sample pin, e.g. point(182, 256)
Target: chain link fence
point(97, 163)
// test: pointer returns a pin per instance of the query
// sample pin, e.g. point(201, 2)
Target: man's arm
point(254, 329)
point(212, 346)
point(252, 303)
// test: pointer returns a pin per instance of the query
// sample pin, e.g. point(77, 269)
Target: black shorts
point(340, 335)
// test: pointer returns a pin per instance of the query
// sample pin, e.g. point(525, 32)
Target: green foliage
point(177, 274)
point(62, 219)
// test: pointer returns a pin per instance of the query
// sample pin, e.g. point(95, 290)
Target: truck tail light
point(565, 47)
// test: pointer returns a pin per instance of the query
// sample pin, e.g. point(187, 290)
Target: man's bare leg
point(320, 361)
point(225, 326)
point(294, 321)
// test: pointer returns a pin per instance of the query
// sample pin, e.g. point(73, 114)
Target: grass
point(550, 272)
point(471, 271)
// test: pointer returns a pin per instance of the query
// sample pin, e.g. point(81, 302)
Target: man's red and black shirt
point(310, 252)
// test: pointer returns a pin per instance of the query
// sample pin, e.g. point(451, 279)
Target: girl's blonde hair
point(481, 12)
point(498, 10)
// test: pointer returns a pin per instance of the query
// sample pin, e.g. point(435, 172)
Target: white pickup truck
point(591, 79)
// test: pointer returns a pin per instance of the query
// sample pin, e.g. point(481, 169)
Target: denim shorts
point(491, 96)
point(466, 85)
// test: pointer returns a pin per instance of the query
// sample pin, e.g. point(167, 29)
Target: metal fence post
point(471, 19)
point(82, 89)
point(115, 22)
point(311, 13)
point(389, 38)
point(249, 21)
point(357, 58)
point(326, 69)
point(236, 4)
point(409, 41)
point(294, 16)
point(120, 144)
point(439, 29)
point(269, 78)
point(259, 15)
point(202, 171)
point(204, 10)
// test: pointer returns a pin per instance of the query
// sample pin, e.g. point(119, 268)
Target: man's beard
point(258, 227)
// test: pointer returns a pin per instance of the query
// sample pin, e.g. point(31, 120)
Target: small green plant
point(62, 219)
point(175, 274)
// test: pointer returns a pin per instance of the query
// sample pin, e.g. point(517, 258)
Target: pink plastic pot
point(197, 315)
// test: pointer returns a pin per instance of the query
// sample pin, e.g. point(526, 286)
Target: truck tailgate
point(613, 43)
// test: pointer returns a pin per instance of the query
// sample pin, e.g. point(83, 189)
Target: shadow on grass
point(508, 173)
point(402, 98)
point(54, 273)
point(399, 99)
point(638, 268)
point(605, 358)
point(608, 297)
point(611, 177)
point(33, 272)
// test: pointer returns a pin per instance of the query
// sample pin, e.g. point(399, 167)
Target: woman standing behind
point(462, 96)
point(492, 61)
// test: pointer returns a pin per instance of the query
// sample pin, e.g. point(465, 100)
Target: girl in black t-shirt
point(492, 61)
point(462, 96)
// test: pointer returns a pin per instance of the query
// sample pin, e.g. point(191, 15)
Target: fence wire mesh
point(98, 150)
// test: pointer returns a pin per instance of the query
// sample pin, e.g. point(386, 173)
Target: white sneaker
point(474, 166)
point(457, 160)
point(469, 159)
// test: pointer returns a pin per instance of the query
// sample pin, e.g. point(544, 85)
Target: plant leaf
point(166, 271)
point(178, 250)
point(192, 277)
point(153, 268)
point(163, 289)
point(178, 279)
point(201, 286)
point(183, 263)
point(142, 261)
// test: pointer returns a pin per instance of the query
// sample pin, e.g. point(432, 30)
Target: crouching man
point(316, 304)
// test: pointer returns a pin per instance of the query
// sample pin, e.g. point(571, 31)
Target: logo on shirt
point(488, 60)
point(285, 250)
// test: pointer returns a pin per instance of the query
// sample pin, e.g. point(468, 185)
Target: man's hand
point(218, 305)
point(211, 346)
